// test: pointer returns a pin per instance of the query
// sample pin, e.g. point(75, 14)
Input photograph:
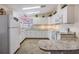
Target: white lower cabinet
point(14, 40)
point(36, 34)
point(52, 35)
point(25, 33)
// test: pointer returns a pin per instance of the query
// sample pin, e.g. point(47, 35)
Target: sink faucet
point(68, 30)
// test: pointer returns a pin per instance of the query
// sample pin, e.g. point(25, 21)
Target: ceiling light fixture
point(27, 8)
point(33, 12)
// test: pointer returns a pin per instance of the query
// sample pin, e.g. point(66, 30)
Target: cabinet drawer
point(67, 36)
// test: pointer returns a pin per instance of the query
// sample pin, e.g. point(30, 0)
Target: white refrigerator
point(14, 29)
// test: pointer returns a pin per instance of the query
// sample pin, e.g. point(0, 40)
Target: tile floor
point(30, 46)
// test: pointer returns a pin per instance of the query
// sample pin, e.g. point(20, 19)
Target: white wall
point(75, 27)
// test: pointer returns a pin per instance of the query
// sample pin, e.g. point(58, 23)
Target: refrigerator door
point(13, 23)
point(14, 39)
point(14, 28)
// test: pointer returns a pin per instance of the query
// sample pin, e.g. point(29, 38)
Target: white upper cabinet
point(40, 20)
point(65, 15)
point(68, 14)
point(56, 19)
point(51, 20)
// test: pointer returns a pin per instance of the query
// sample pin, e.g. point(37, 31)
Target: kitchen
point(45, 22)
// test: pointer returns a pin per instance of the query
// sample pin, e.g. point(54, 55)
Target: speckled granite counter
point(59, 44)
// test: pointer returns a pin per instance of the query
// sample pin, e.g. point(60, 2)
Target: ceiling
point(18, 7)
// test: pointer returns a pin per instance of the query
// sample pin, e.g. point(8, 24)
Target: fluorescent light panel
point(32, 12)
point(27, 8)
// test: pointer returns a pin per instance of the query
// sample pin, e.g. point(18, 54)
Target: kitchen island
point(60, 46)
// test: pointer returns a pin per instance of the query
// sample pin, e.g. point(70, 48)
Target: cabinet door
point(40, 20)
point(35, 20)
point(37, 34)
point(59, 18)
point(52, 35)
point(44, 20)
point(51, 20)
point(56, 19)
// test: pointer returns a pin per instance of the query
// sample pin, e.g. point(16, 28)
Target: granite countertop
point(59, 44)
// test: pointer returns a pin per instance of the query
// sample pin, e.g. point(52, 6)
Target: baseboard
point(33, 38)
point(16, 50)
point(22, 41)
